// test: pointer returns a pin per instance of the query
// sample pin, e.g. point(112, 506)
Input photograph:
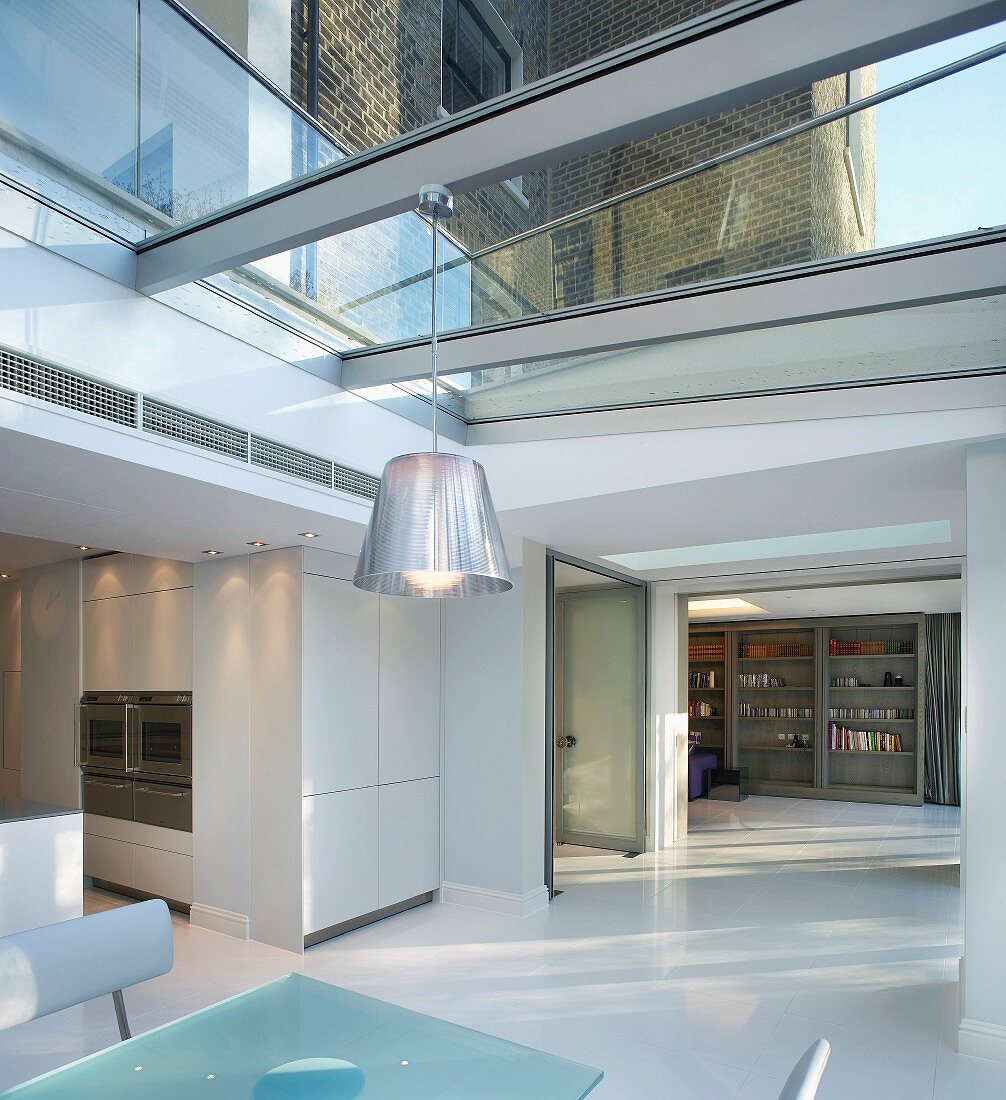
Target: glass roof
point(758, 189)
point(128, 115)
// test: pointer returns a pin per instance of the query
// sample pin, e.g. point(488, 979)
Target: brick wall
point(380, 77)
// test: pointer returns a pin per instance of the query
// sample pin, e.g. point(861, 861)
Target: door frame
point(551, 557)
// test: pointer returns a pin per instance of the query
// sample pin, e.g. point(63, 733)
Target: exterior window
point(476, 66)
point(573, 266)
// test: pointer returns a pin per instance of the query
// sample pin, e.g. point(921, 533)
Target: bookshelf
point(774, 707)
point(821, 708)
point(708, 691)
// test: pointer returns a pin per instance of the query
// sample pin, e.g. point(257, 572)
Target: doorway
point(597, 714)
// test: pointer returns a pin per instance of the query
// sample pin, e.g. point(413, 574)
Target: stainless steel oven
point(160, 734)
point(104, 728)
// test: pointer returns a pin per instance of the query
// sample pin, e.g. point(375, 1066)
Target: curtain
point(943, 709)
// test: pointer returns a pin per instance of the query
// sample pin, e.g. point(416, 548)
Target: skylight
point(788, 546)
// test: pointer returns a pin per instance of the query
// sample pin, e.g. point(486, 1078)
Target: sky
point(941, 150)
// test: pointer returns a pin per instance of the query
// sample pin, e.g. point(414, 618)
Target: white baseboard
point(979, 1039)
point(495, 901)
point(220, 920)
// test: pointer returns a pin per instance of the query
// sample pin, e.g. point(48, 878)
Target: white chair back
point(53, 967)
point(806, 1076)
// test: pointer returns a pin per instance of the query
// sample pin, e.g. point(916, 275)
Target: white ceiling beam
point(748, 51)
point(942, 271)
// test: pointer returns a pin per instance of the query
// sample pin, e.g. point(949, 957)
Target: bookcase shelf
point(819, 771)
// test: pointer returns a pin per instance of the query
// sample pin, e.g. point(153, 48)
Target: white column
point(983, 1003)
point(667, 751)
point(221, 805)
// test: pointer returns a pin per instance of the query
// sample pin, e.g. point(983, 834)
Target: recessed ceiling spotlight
point(256, 542)
point(83, 547)
point(308, 534)
point(4, 576)
point(213, 553)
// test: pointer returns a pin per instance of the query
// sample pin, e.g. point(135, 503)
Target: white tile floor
point(701, 972)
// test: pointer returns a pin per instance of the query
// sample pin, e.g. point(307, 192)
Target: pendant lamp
point(433, 531)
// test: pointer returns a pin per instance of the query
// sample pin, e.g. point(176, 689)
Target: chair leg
point(120, 1015)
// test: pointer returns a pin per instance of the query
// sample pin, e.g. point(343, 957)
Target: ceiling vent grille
point(287, 460)
point(353, 481)
point(197, 431)
point(56, 386)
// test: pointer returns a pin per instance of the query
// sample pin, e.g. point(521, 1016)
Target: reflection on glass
point(139, 142)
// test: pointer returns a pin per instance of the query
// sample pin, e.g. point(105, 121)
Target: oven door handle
point(161, 794)
point(132, 738)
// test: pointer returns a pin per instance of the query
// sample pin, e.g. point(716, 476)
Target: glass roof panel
point(762, 188)
point(945, 339)
point(129, 115)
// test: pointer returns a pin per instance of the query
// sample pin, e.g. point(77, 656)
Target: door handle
point(566, 742)
point(161, 794)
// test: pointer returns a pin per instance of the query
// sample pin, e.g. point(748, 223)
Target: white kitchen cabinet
point(409, 831)
point(340, 686)
point(409, 689)
point(108, 644)
point(340, 857)
point(163, 641)
point(107, 576)
point(167, 874)
point(12, 721)
point(108, 859)
point(160, 574)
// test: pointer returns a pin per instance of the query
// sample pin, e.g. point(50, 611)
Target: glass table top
point(298, 1037)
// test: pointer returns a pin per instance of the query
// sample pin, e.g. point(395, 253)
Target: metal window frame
point(487, 35)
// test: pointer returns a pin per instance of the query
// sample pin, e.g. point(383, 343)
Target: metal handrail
point(894, 92)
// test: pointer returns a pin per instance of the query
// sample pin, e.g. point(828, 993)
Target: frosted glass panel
point(600, 772)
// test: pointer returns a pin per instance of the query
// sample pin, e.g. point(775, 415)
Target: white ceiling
point(899, 597)
point(55, 495)
point(18, 552)
point(913, 485)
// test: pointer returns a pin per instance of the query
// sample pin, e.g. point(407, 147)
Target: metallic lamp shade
point(433, 531)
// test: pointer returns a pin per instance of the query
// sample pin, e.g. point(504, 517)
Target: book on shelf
point(761, 680)
point(706, 651)
point(699, 708)
point(748, 711)
point(777, 649)
point(856, 682)
point(890, 714)
point(701, 680)
point(890, 647)
point(840, 739)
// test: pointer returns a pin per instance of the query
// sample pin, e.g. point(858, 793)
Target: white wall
point(10, 675)
point(50, 682)
point(494, 745)
point(221, 746)
point(983, 1009)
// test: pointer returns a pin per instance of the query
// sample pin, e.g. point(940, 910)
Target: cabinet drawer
point(112, 827)
point(108, 859)
point(167, 874)
point(108, 797)
point(162, 804)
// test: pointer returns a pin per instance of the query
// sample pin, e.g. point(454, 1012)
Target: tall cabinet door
point(409, 689)
point(108, 644)
point(409, 832)
point(163, 622)
point(341, 653)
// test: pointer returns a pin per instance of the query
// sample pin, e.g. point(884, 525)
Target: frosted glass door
point(599, 727)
